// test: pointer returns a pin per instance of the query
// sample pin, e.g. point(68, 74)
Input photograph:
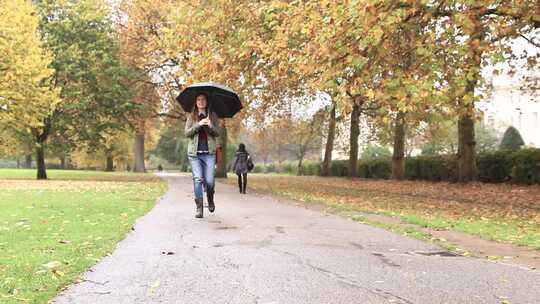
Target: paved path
point(256, 250)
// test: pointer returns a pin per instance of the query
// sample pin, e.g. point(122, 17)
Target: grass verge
point(52, 231)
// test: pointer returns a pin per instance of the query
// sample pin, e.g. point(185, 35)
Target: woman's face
point(201, 102)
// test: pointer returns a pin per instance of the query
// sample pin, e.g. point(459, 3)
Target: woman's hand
point(204, 122)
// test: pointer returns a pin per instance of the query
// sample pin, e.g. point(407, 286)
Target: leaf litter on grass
point(503, 212)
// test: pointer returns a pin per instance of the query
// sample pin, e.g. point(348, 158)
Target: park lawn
point(26, 174)
point(499, 212)
point(52, 231)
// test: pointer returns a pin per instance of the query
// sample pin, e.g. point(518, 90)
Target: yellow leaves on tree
point(25, 97)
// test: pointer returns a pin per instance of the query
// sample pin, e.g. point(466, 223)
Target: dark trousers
point(242, 182)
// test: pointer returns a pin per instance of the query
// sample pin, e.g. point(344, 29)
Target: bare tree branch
point(530, 40)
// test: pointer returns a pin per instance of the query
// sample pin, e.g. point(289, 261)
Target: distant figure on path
point(202, 128)
point(242, 165)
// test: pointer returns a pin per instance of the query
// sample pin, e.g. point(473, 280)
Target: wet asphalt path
point(257, 250)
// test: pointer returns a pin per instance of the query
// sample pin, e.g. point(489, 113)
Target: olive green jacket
point(192, 129)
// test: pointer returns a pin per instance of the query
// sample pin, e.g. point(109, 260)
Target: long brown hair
point(195, 111)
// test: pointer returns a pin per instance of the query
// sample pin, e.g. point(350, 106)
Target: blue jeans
point(203, 171)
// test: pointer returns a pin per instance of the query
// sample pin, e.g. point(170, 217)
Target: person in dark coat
point(241, 167)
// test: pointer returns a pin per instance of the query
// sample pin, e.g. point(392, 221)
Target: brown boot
point(199, 204)
point(211, 205)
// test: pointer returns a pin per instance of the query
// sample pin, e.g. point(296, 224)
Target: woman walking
point(242, 165)
point(202, 127)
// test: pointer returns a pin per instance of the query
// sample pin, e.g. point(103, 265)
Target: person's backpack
point(250, 165)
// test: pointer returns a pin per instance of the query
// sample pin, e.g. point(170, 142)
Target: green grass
point(52, 231)
point(76, 175)
point(401, 229)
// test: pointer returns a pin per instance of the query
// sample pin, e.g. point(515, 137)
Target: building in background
point(512, 105)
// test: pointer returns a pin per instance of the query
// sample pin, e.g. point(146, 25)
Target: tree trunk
point(300, 169)
point(398, 166)
point(40, 161)
point(355, 132)
point(18, 163)
point(327, 162)
point(28, 161)
point(40, 139)
point(110, 163)
point(222, 166)
point(467, 170)
point(63, 161)
point(139, 153)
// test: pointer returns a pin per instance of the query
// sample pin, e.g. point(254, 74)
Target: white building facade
point(512, 105)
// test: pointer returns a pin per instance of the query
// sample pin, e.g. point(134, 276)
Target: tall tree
point(329, 143)
point(471, 36)
point(26, 97)
point(305, 136)
point(140, 23)
point(87, 72)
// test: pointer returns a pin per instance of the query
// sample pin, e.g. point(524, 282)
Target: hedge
point(375, 168)
point(339, 168)
point(433, 168)
point(525, 166)
point(522, 166)
point(311, 167)
point(494, 167)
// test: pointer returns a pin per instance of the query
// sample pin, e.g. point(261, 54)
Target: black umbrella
point(221, 99)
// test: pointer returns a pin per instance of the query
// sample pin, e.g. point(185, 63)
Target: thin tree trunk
point(222, 166)
point(40, 161)
point(327, 162)
point(110, 163)
point(18, 163)
point(139, 153)
point(398, 166)
point(355, 132)
point(300, 170)
point(62, 161)
point(28, 161)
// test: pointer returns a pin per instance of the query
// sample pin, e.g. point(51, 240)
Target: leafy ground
point(52, 231)
point(500, 212)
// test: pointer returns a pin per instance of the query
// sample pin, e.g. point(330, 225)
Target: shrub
point(525, 166)
point(511, 140)
point(270, 168)
point(375, 168)
point(375, 152)
point(311, 167)
point(258, 169)
point(433, 168)
point(289, 167)
point(493, 167)
point(339, 168)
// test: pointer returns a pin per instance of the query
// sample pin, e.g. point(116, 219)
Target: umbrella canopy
point(221, 99)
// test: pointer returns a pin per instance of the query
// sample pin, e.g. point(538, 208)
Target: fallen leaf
point(52, 265)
